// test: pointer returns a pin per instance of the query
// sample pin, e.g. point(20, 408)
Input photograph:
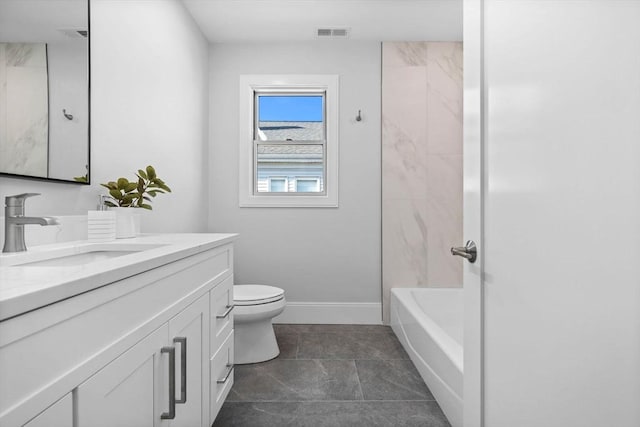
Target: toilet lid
point(256, 294)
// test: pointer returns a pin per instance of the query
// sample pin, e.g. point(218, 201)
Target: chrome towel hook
point(67, 115)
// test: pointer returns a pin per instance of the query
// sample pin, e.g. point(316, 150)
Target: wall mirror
point(44, 89)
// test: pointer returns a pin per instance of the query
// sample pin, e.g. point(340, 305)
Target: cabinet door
point(125, 392)
point(60, 414)
point(189, 332)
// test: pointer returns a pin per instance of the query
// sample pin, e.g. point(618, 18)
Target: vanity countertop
point(26, 288)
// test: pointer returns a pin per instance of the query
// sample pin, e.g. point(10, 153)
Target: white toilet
point(255, 307)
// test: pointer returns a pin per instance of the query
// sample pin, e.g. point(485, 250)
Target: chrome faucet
point(14, 222)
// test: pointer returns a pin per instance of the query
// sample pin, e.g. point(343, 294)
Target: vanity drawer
point(221, 308)
point(221, 380)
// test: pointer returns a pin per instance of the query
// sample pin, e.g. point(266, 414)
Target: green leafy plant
point(136, 194)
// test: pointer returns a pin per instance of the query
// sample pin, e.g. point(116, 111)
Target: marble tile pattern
point(421, 165)
point(24, 108)
point(332, 375)
point(331, 414)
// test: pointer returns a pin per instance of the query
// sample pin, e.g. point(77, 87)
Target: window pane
point(292, 162)
point(295, 118)
point(306, 185)
point(277, 185)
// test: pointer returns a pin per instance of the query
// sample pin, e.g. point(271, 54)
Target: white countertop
point(26, 288)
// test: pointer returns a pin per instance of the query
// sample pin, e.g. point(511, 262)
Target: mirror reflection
point(44, 90)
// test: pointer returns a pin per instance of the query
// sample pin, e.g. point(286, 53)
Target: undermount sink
point(73, 255)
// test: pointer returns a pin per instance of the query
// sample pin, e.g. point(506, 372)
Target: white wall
point(149, 106)
point(317, 255)
point(67, 67)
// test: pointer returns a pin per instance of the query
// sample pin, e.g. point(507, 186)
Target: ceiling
point(228, 21)
point(41, 20)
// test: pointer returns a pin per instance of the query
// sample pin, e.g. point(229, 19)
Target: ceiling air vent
point(333, 33)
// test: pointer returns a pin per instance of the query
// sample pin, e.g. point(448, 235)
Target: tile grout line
point(358, 379)
point(297, 345)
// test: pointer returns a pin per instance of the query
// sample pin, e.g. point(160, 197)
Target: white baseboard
point(356, 313)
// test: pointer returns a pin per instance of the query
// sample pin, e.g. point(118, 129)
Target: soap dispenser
point(101, 223)
point(102, 206)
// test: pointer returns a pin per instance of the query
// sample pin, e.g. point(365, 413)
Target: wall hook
point(359, 117)
point(67, 115)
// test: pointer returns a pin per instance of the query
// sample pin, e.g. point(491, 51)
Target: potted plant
point(127, 196)
point(136, 194)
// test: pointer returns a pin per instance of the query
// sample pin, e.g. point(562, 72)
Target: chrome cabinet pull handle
point(183, 368)
point(224, 379)
point(172, 383)
point(226, 312)
point(468, 251)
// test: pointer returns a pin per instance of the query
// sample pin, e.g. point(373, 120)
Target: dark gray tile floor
point(332, 375)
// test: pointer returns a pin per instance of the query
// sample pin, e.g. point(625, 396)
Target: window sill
point(296, 201)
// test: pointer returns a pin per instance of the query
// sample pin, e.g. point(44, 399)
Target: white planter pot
point(127, 222)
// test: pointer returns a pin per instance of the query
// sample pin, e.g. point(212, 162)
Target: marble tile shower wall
point(24, 129)
point(421, 165)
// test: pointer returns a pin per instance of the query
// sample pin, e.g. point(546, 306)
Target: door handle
point(172, 383)
point(226, 312)
point(227, 374)
point(183, 368)
point(468, 251)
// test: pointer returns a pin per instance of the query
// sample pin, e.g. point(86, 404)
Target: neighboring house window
point(289, 141)
point(277, 185)
point(307, 185)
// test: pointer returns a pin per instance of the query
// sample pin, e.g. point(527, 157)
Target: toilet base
point(254, 342)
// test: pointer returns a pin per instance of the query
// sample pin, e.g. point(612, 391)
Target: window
point(277, 185)
point(288, 141)
point(289, 137)
point(307, 185)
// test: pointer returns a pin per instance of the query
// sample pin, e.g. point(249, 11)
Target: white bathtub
point(429, 324)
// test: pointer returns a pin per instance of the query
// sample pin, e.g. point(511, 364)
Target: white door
point(560, 87)
point(129, 391)
point(60, 414)
point(189, 332)
point(472, 213)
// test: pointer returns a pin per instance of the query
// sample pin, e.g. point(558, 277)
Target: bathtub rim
point(452, 349)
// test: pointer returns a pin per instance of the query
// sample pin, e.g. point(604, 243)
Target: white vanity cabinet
point(114, 355)
point(126, 391)
point(221, 353)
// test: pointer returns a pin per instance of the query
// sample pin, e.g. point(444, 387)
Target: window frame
point(251, 86)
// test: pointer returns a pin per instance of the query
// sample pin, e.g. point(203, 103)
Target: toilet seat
point(244, 295)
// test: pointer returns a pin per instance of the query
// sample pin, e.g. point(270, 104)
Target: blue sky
point(290, 108)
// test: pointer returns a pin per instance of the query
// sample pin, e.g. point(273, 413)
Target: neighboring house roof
point(290, 153)
point(296, 131)
point(290, 149)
